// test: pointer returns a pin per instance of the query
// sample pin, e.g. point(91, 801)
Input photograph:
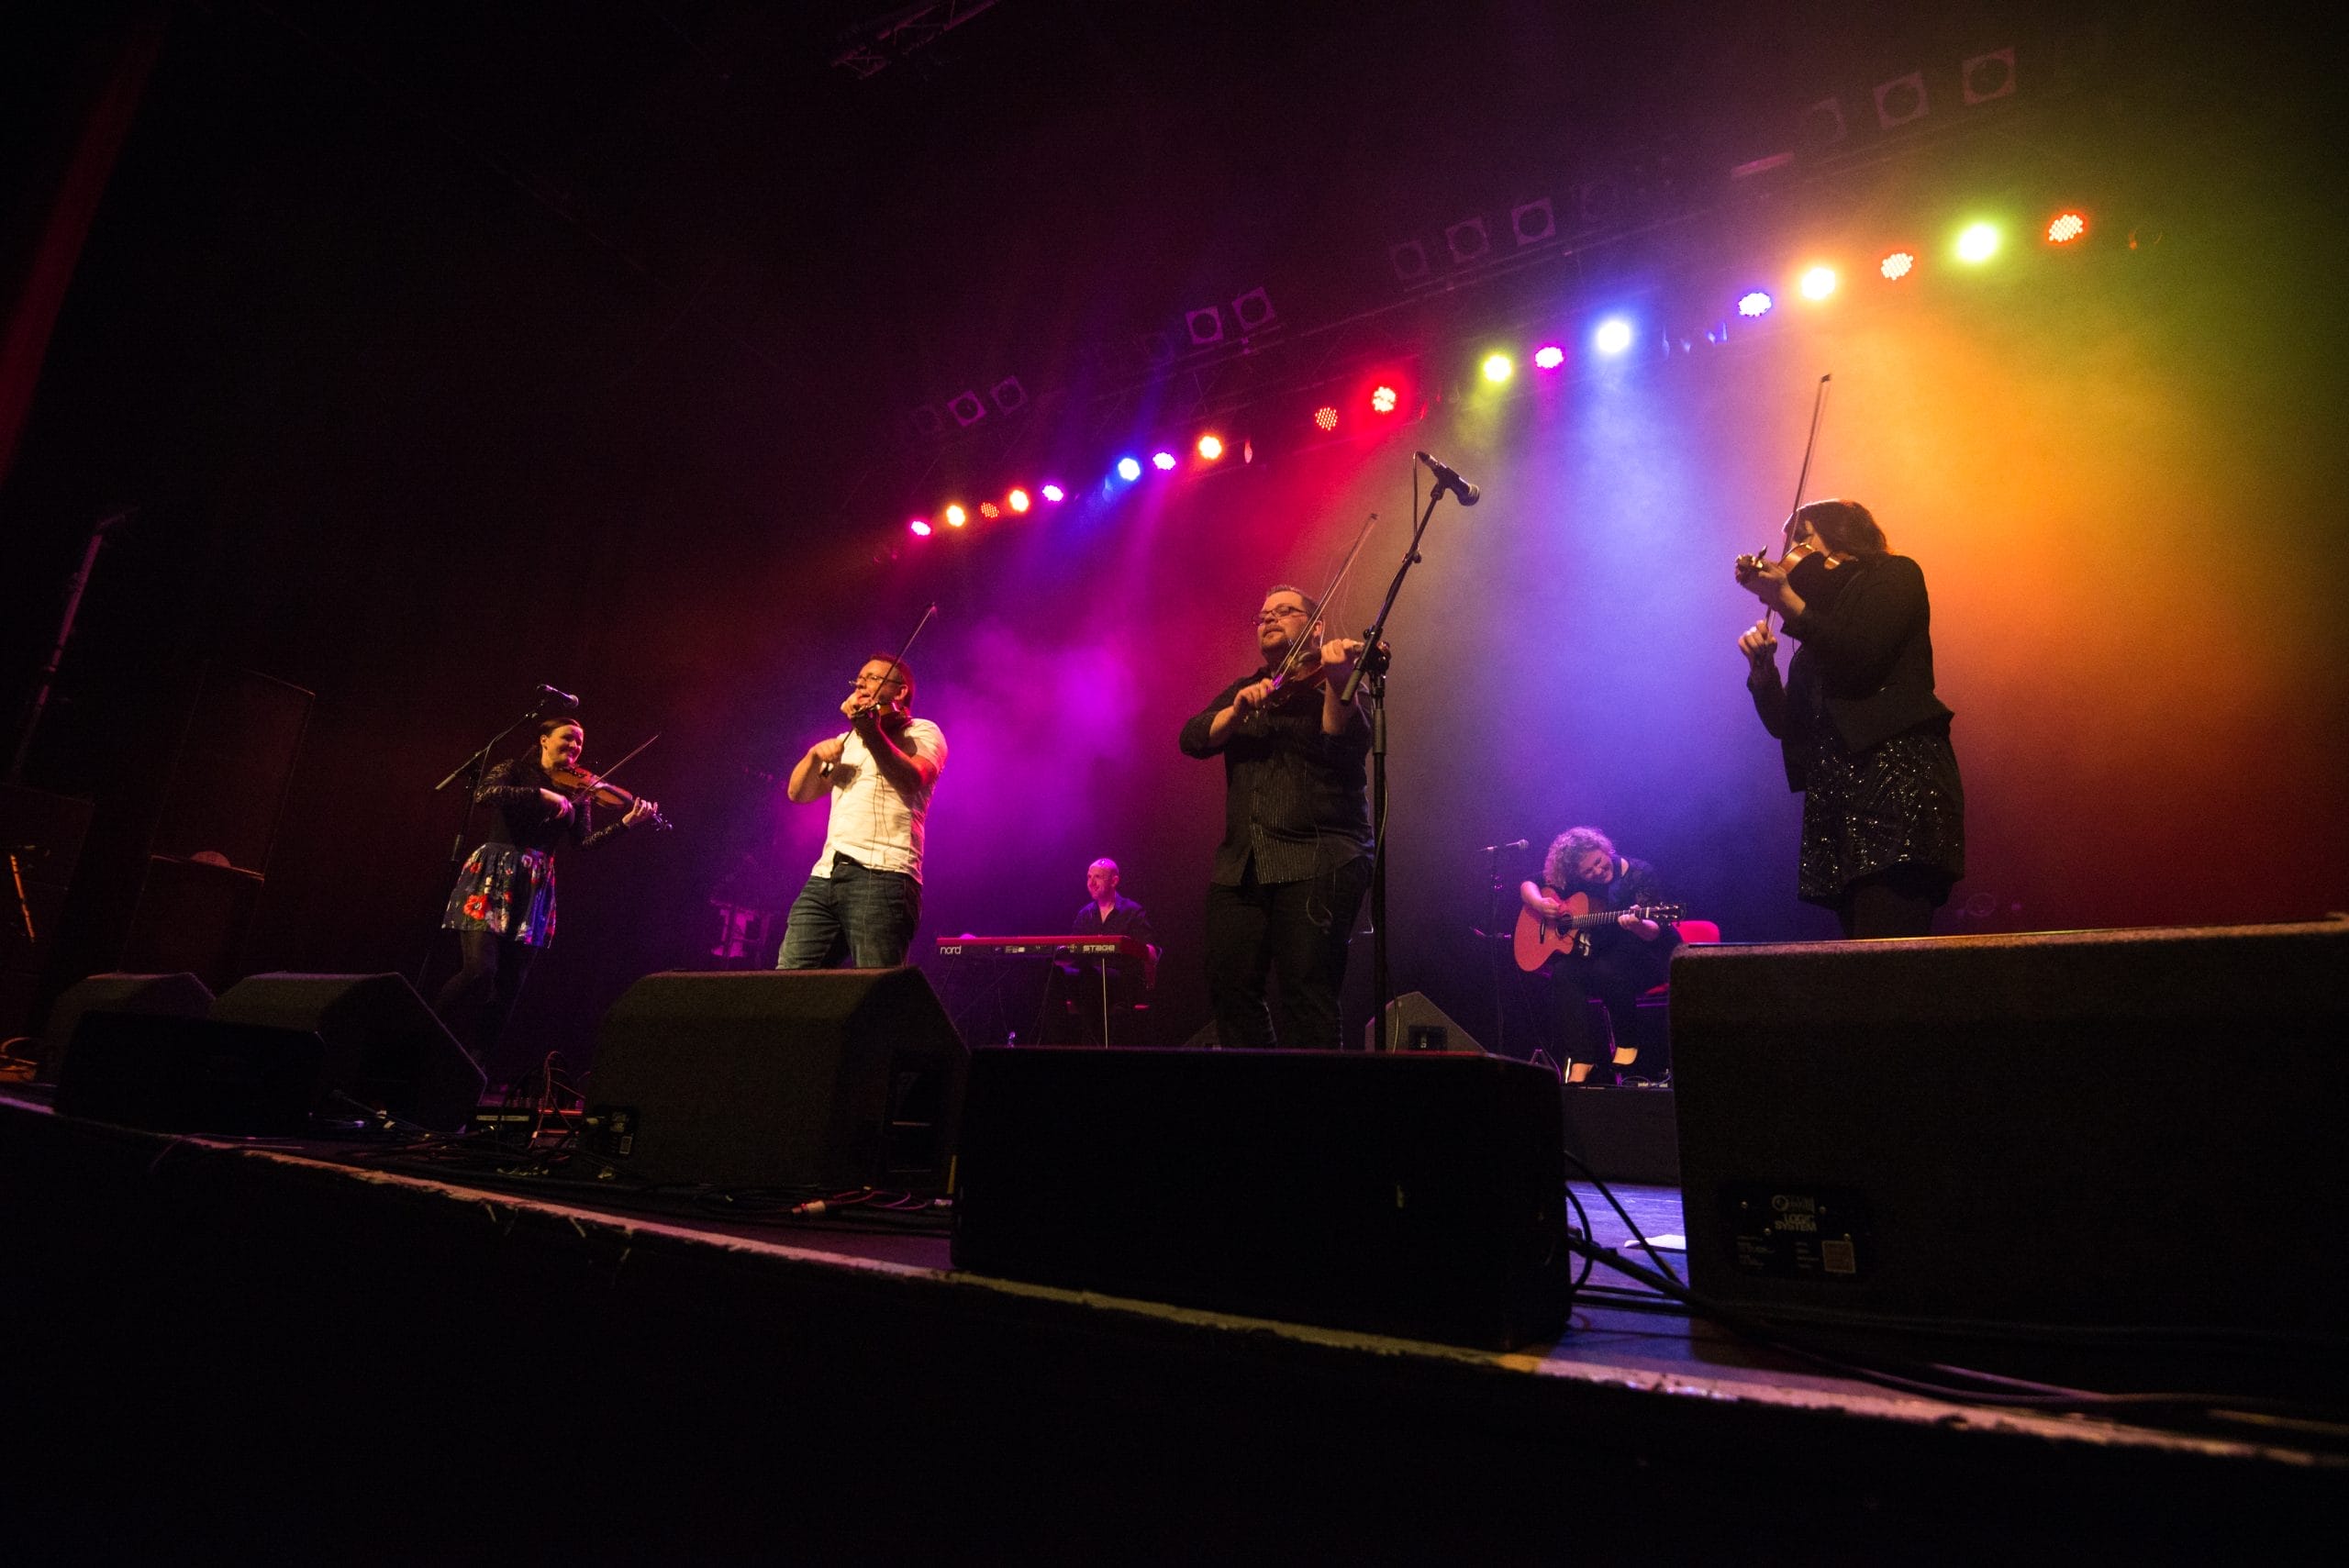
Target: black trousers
point(1898, 902)
point(1615, 976)
point(1293, 933)
point(479, 999)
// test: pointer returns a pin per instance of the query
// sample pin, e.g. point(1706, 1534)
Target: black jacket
point(1867, 656)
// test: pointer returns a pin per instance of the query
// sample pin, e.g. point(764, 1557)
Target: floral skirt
point(504, 890)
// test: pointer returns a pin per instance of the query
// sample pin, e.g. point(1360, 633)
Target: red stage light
point(2067, 228)
point(1017, 501)
point(1326, 416)
point(956, 516)
point(1162, 461)
point(1382, 399)
point(1210, 447)
point(989, 509)
point(1896, 265)
point(920, 528)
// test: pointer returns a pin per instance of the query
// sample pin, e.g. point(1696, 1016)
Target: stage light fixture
point(956, 516)
point(1468, 240)
point(1899, 101)
point(1754, 305)
point(1128, 470)
point(1326, 416)
point(1533, 222)
point(966, 409)
point(1978, 242)
point(989, 509)
point(1017, 501)
point(1205, 325)
point(1498, 368)
point(1008, 394)
point(1210, 447)
point(1382, 399)
point(1410, 260)
point(1253, 310)
point(1818, 282)
point(1896, 265)
point(1614, 336)
point(1988, 77)
point(2066, 227)
point(1549, 357)
point(1162, 461)
point(920, 528)
point(1053, 492)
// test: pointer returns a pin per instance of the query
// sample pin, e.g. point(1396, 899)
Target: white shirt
point(872, 823)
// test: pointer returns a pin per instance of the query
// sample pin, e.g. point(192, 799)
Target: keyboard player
point(1077, 1014)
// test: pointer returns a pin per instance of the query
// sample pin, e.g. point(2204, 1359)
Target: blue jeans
point(865, 916)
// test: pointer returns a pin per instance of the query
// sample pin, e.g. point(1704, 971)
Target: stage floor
point(524, 1299)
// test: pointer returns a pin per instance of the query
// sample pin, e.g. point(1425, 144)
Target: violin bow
point(1802, 475)
point(1322, 615)
point(908, 647)
point(624, 762)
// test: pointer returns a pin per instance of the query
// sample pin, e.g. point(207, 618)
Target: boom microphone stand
point(1370, 668)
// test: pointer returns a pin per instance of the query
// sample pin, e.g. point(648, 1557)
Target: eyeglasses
point(1264, 617)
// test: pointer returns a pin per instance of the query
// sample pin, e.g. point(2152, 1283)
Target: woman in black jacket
point(1865, 739)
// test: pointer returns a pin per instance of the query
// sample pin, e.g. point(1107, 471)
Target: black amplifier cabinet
point(2084, 1130)
point(1411, 1194)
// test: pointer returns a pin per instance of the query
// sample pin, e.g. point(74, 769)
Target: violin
point(581, 784)
point(1304, 666)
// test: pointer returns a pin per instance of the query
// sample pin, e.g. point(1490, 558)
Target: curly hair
point(1567, 848)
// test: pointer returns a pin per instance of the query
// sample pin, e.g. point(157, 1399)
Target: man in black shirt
point(1295, 861)
point(1080, 1015)
point(1624, 960)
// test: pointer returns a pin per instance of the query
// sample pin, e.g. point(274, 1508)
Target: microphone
point(560, 699)
point(1448, 478)
point(1512, 844)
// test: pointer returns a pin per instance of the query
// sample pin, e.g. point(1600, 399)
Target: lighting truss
point(882, 42)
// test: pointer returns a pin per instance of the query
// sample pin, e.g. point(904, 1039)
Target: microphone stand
point(1370, 668)
point(470, 769)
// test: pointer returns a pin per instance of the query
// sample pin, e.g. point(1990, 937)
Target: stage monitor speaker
point(1414, 1023)
point(1419, 1194)
point(2127, 1130)
point(785, 1078)
point(384, 1047)
point(172, 995)
point(174, 1073)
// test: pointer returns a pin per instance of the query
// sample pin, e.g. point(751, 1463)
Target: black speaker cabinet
point(1414, 1023)
point(382, 1045)
point(1412, 1194)
point(174, 1073)
point(2090, 1130)
point(172, 995)
point(821, 1077)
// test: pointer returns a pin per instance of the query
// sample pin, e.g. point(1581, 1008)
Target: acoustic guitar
point(1539, 940)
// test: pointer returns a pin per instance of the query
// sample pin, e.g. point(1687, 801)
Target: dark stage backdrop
point(407, 436)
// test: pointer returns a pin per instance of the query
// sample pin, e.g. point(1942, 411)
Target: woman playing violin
point(503, 905)
point(1864, 736)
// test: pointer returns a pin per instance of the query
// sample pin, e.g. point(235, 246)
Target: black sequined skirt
point(1897, 803)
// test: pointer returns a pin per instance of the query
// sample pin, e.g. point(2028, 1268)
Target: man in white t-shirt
point(863, 898)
